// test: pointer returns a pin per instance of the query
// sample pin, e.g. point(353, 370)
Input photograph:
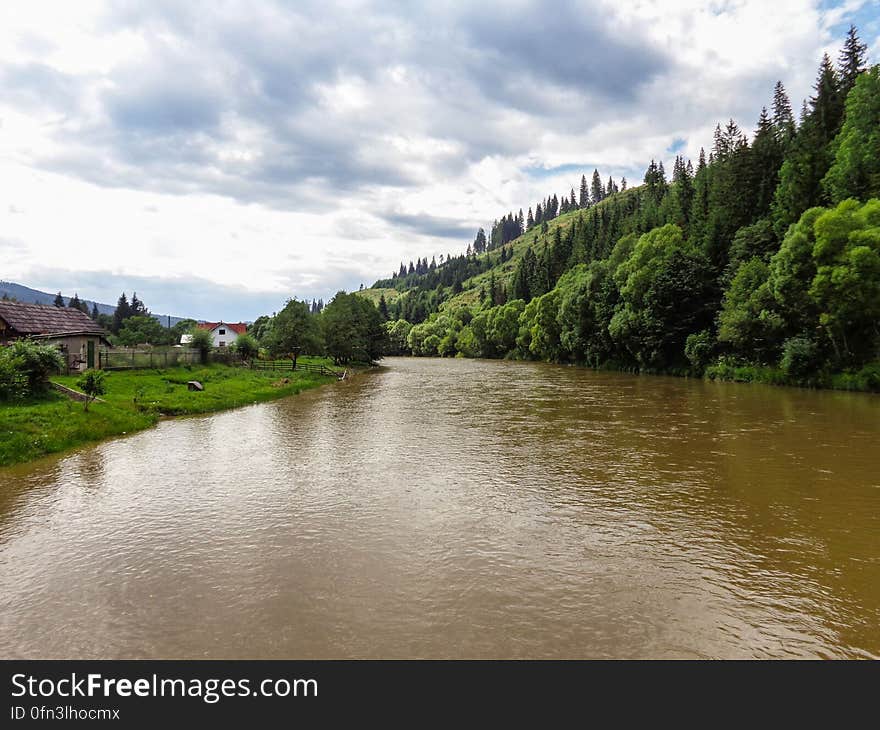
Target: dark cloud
point(521, 49)
point(428, 225)
point(265, 78)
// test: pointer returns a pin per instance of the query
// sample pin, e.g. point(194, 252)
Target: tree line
point(762, 260)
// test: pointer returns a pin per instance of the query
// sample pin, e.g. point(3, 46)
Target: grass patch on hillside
point(135, 399)
point(374, 295)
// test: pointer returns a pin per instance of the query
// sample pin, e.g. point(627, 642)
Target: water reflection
point(460, 509)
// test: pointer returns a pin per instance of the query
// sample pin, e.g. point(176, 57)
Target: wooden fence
point(287, 365)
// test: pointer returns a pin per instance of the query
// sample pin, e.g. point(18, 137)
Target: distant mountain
point(22, 293)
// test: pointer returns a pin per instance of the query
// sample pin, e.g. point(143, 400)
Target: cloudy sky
point(219, 157)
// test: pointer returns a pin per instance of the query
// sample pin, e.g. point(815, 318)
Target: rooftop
point(39, 319)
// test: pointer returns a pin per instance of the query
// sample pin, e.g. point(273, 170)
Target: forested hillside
point(760, 260)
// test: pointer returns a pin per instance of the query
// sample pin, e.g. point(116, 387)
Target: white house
point(224, 333)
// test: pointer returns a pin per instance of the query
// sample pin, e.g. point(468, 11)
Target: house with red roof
point(224, 333)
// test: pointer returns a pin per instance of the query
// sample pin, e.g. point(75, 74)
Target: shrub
point(800, 358)
point(698, 349)
point(91, 382)
point(11, 385)
point(246, 347)
point(203, 341)
point(33, 364)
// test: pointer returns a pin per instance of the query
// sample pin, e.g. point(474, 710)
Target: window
point(222, 343)
point(222, 332)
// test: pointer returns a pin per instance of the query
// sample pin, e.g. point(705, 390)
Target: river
point(459, 508)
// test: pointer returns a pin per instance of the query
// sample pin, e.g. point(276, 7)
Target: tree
point(203, 341)
point(296, 330)
point(383, 307)
point(122, 312)
point(480, 241)
point(352, 329)
point(91, 383)
point(597, 191)
point(666, 294)
point(846, 287)
point(809, 157)
point(584, 199)
point(59, 300)
point(748, 321)
point(246, 347)
point(851, 62)
point(855, 171)
point(179, 329)
point(142, 329)
point(74, 302)
point(398, 334)
point(763, 165)
point(783, 117)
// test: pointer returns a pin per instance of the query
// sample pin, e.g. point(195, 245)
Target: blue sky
point(222, 157)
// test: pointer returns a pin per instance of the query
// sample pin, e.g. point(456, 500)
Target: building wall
point(226, 339)
point(75, 349)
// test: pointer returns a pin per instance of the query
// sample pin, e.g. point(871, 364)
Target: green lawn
point(134, 400)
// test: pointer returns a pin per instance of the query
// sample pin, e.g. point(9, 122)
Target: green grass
point(375, 294)
point(135, 399)
point(34, 428)
point(866, 380)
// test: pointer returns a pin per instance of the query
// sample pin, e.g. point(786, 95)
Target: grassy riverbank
point(865, 380)
point(135, 400)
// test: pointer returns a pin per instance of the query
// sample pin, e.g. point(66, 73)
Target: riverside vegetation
point(41, 421)
point(762, 263)
point(35, 420)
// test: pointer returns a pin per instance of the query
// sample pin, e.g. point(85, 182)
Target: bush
point(11, 384)
point(246, 347)
point(91, 382)
point(30, 365)
point(203, 341)
point(698, 350)
point(866, 379)
point(800, 358)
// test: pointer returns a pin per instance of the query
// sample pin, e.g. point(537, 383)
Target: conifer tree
point(766, 158)
point(855, 172)
point(121, 313)
point(809, 157)
point(783, 117)
point(59, 300)
point(584, 200)
point(851, 61)
point(596, 189)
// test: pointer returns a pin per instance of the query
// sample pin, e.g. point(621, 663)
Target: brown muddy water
point(460, 508)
